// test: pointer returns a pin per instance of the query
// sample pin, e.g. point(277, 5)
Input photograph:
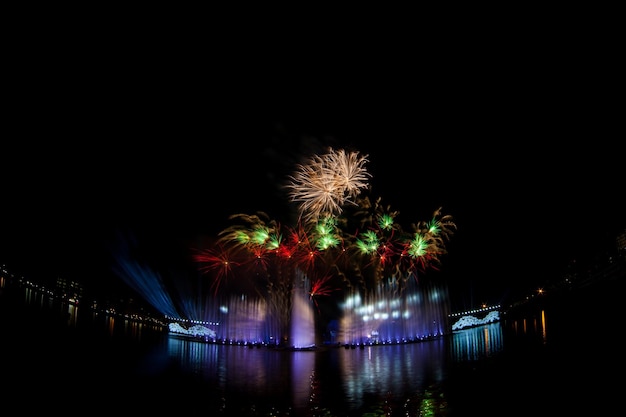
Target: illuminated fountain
point(245, 321)
point(302, 317)
point(416, 314)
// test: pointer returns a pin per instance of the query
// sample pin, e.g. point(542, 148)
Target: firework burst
point(327, 182)
point(217, 262)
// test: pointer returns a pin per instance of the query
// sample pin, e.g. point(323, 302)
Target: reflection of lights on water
point(474, 343)
point(486, 337)
point(72, 311)
point(110, 320)
point(538, 328)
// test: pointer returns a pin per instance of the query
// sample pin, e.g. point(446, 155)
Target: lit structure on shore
point(475, 317)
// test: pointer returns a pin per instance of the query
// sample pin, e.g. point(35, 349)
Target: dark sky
point(524, 154)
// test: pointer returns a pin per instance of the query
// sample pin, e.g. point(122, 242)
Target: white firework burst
point(327, 182)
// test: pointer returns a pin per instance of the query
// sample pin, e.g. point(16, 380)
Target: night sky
point(525, 158)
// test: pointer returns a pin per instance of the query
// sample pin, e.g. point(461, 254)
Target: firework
point(327, 182)
point(216, 260)
point(361, 245)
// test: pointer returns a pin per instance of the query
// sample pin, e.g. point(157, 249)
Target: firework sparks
point(216, 260)
point(322, 286)
point(322, 236)
point(324, 185)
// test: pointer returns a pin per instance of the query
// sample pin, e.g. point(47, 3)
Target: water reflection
point(302, 379)
point(109, 322)
point(252, 372)
point(70, 313)
point(357, 377)
point(392, 371)
point(544, 332)
point(534, 326)
point(478, 342)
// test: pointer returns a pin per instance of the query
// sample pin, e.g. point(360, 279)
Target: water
point(554, 359)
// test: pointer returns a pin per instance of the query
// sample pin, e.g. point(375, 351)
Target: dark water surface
point(556, 358)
